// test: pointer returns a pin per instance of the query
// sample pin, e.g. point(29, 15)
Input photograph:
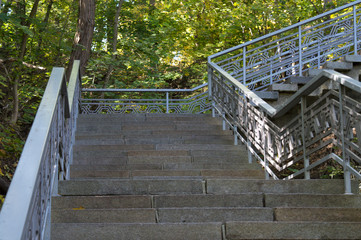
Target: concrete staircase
point(180, 177)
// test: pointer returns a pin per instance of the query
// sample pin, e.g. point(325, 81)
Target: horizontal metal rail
point(144, 90)
point(45, 159)
point(196, 103)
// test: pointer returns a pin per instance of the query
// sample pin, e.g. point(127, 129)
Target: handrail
point(26, 211)
point(296, 25)
point(143, 90)
point(195, 104)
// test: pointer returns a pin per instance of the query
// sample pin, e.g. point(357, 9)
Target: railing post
point(346, 160)
point(210, 86)
point(224, 121)
point(264, 146)
point(235, 133)
point(244, 66)
point(355, 29)
point(306, 161)
point(167, 101)
point(300, 50)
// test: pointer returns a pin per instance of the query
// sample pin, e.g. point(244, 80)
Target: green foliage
point(161, 46)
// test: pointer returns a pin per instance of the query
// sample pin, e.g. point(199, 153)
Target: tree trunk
point(84, 35)
point(26, 23)
point(114, 44)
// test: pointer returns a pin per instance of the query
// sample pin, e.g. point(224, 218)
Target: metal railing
point(45, 160)
point(328, 129)
point(293, 50)
point(198, 101)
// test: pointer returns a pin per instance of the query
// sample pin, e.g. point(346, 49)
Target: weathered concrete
point(234, 186)
point(319, 214)
point(214, 214)
point(126, 187)
point(292, 230)
point(101, 202)
point(208, 200)
point(141, 215)
point(312, 200)
point(146, 231)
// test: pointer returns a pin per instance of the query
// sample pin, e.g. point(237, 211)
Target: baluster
point(263, 115)
point(346, 160)
point(306, 161)
point(300, 50)
point(355, 30)
point(167, 101)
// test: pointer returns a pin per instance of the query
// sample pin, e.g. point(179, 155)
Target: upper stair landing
point(166, 181)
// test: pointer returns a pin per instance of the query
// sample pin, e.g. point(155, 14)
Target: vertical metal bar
point(354, 30)
point(346, 172)
point(210, 89)
point(267, 177)
point(224, 121)
point(306, 161)
point(271, 74)
point(300, 50)
point(244, 66)
point(250, 157)
point(235, 133)
point(167, 101)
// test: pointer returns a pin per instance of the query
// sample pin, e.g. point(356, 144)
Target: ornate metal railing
point(45, 160)
point(293, 50)
point(158, 101)
point(328, 129)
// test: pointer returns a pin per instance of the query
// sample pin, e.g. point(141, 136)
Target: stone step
point(169, 133)
point(312, 200)
point(149, 231)
point(267, 95)
point(338, 66)
point(300, 80)
point(162, 215)
point(286, 87)
point(101, 202)
point(141, 215)
point(130, 187)
point(202, 214)
point(209, 200)
point(164, 166)
point(220, 147)
point(313, 72)
point(117, 129)
point(111, 147)
point(314, 186)
point(152, 140)
point(292, 230)
point(145, 117)
point(243, 174)
point(157, 201)
point(353, 58)
point(320, 214)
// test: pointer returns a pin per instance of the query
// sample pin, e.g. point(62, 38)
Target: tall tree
point(84, 35)
point(114, 43)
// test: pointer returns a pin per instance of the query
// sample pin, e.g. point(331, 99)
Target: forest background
point(121, 44)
